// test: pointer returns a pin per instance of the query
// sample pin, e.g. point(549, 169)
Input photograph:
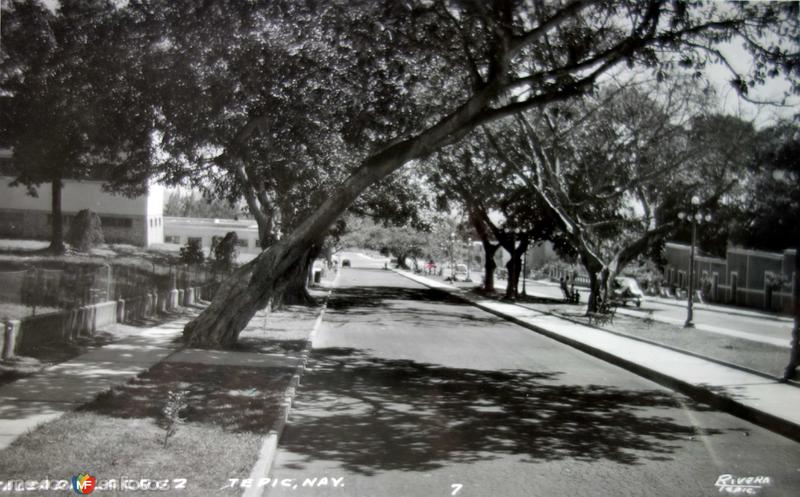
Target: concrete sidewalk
point(41, 397)
point(681, 303)
point(718, 330)
point(767, 403)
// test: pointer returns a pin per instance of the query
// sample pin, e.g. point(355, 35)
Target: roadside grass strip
point(120, 435)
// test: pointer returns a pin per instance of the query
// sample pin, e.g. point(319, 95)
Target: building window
point(192, 239)
point(242, 242)
point(172, 239)
point(116, 222)
point(152, 223)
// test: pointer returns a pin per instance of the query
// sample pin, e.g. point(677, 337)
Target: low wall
point(66, 326)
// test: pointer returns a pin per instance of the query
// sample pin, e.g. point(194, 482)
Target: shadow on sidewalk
point(372, 414)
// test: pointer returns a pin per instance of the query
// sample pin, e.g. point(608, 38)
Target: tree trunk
point(248, 290)
point(232, 308)
point(401, 261)
point(489, 249)
point(605, 284)
point(794, 354)
point(296, 292)
point(57, 225)
point(594, 291)
point(513, 266)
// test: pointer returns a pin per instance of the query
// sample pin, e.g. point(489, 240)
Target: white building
point(181, 230)
point(137, 220)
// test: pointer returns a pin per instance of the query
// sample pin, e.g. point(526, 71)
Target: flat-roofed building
point(134, 220)
point(180, 230)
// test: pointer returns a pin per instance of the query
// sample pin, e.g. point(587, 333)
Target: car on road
point(461, 273)
point(626, 289)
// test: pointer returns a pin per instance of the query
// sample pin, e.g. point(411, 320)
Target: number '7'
point(456, 487)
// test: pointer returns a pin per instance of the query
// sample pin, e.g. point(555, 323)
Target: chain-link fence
point(35, 290)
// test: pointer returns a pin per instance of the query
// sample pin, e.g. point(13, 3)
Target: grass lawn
point(120, 434)
point(109, 447)
point(13, 310)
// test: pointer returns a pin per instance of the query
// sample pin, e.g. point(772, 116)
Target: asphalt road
point(737, 319)
point(413, 393)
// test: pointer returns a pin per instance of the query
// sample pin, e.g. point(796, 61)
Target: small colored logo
point(83, 484)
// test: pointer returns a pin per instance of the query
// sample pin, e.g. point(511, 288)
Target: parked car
point(626, 290)
point(461, 273)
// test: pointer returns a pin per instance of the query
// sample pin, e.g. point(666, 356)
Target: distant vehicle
point(461, 273)
point(626, 290)
point(345, 262)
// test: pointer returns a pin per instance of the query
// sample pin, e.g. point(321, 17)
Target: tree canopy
point(337, 96)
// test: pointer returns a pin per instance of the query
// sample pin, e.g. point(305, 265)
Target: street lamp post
point(696, 217)
point(452, 257)
point(524, 270)
point(469, 259)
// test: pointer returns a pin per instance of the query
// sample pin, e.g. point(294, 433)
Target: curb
point(269, 447)
point(698, 393)
point(669, 347)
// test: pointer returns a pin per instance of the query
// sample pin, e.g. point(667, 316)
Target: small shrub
point(176, 402)
point(192, 252)
point(225, 250)
point(85, 231)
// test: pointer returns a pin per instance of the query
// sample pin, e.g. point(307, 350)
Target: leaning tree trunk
point(489, 249)
point(252, 286)
point(296, 292)
point(57, 226)
point(240, 297)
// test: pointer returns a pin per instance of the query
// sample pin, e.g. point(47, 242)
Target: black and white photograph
point(400, 248)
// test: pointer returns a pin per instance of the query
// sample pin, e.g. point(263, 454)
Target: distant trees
point(194, 205)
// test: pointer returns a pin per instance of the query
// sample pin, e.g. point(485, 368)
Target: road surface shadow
point(372, 414)
point(372, 297)
point(408, 305)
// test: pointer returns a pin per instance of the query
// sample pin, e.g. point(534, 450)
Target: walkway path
point(750, 325)
point(46, 395)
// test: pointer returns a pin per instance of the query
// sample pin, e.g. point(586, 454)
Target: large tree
point(499, 207)
point(772, 199)
point(68, 112)
point(419, 75)
point(614, 171)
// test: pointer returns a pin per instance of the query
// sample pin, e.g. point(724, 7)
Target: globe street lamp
point(696, 217)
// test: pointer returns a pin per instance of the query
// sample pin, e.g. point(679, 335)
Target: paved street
point(413, 393)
